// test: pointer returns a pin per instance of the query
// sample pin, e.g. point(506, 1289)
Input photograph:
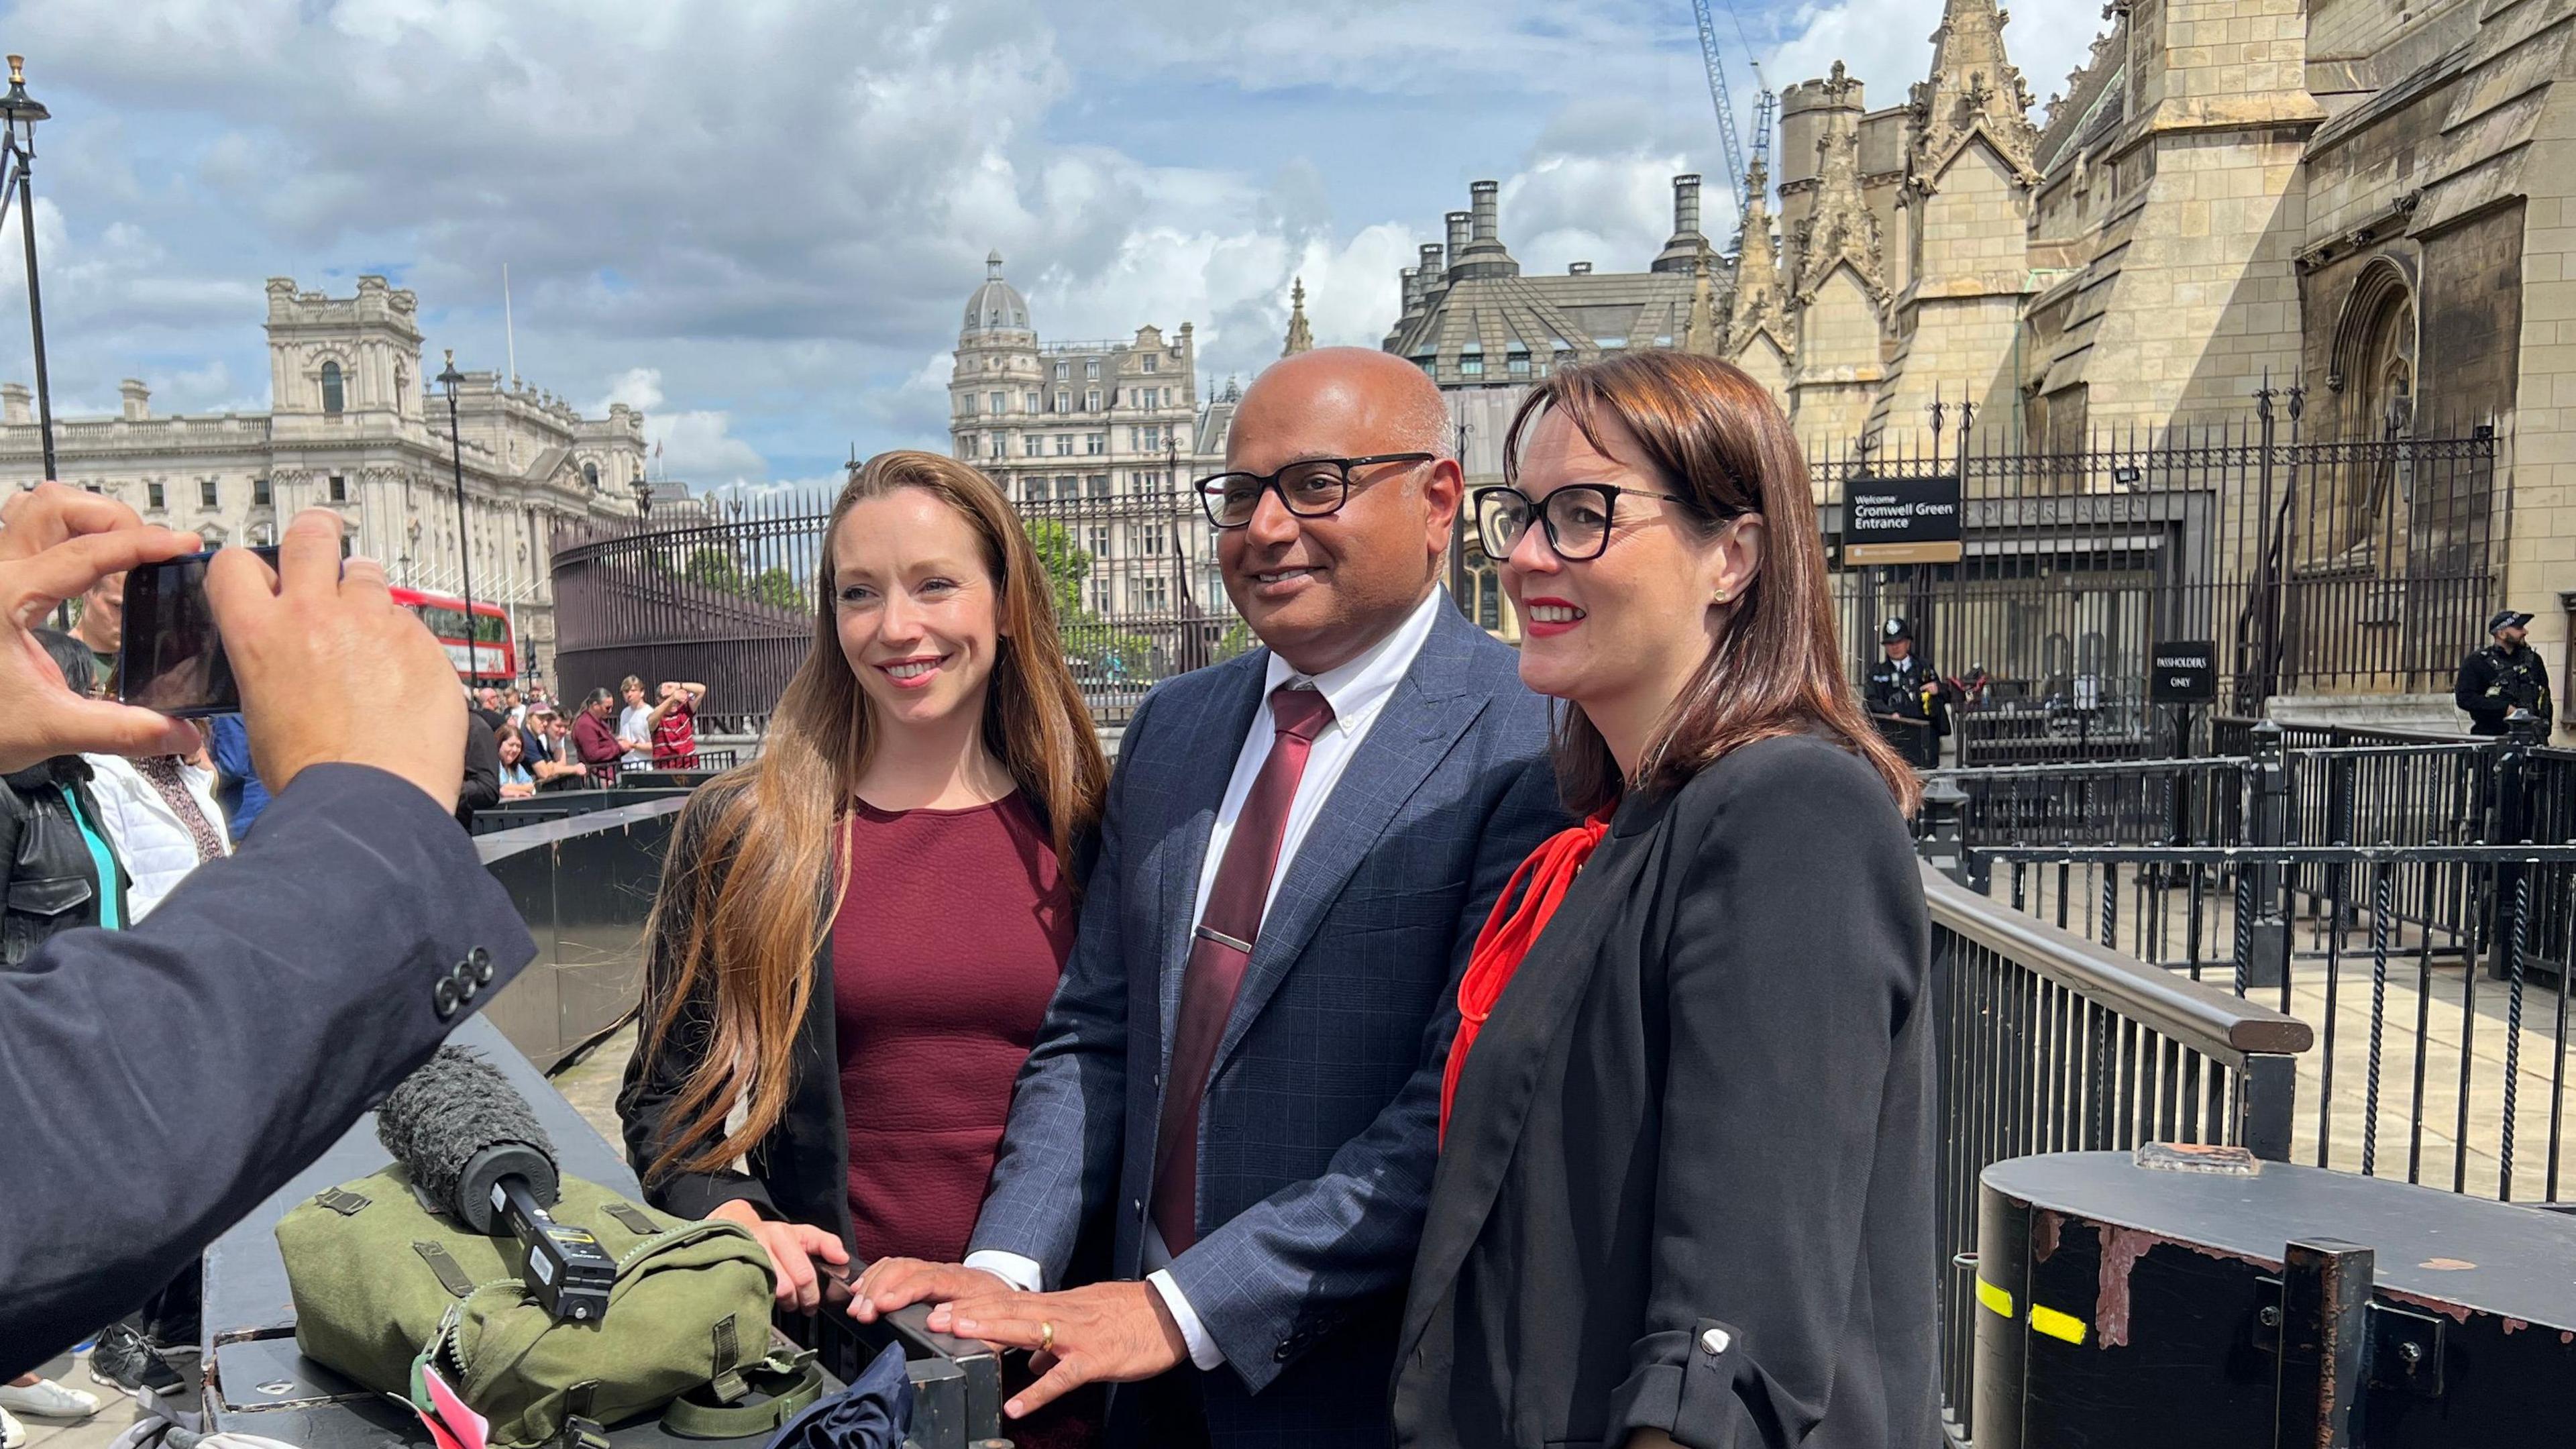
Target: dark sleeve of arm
point(1059, 1155)
point(1277, 1277)
point(655, 1078)
point(481, 788)
point(1795, 955)
point(217, 1048)
point(2471, 693)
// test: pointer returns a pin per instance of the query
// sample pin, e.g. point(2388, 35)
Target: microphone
point(476, 1152)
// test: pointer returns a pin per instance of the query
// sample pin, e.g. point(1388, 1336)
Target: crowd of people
point(1413, 1039)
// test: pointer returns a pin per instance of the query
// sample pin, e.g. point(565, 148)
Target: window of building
point(1091, 369)
point(339, 489)
point(1067, 487)
point(206, 494)
point(1098, 484)
point(1471, 364)
point(1060, 371)
point(1029, 445)
point(259, 495)
point(590, 476)
point(972, 446)
point(1153, 594)
point(1064, 445)
point(1149, 540)
point(92, 488)
point(1150, 361)
point(1091, 401)
point(154, 498)
point(1100, 596)
point(1095, 444)
point(1035, 490)
point(1063, 398)
point(1029, 402)
point(1517, 361)
point(993, 403)
point(332, 398)
point(1427, 362)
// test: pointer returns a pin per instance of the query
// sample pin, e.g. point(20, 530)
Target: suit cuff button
point(481, 961)
point(1715, 1341)
point(443, 997)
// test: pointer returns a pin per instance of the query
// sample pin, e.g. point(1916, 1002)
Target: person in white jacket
point(161, 817)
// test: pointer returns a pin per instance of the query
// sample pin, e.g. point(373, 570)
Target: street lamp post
point(450, 378)
point(19, 113)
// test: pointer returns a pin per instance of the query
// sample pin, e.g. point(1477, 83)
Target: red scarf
point(1520, 914)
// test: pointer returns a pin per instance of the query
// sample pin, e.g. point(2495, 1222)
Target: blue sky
point(758, 219)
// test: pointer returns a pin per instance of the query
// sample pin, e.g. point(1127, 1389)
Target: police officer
point(1908, 699)
point(2504, 676)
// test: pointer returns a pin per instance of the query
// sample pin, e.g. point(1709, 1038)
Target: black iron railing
point(2048, 1043)
point(2314, 567)
point(731, 604)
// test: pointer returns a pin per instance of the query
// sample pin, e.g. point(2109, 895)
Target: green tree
point(778, 588)
point(714, 568)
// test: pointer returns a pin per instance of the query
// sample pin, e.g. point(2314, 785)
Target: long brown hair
point(1718, 440)
point(744, 915)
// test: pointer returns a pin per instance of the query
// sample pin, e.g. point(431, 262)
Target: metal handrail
point(2282, 854)
point(2201, 1018)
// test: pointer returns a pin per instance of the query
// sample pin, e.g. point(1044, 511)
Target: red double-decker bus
point(495, 656)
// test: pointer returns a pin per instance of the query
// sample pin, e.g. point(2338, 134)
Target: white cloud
point(1888, 44)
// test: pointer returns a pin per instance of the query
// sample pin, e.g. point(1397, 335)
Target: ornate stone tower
point(1965, 207)
point(995, 376)
point(1301, 338)
point(332, 359)
point(1759, 336)
point(1840, 291)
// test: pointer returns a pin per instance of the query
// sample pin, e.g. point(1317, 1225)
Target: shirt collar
point(1357, 688)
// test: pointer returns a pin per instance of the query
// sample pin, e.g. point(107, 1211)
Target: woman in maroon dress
point(858, 932)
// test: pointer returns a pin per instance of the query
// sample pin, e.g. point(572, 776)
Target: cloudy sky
point(759, 219)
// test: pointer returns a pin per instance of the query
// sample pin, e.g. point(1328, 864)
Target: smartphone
point(172, 659)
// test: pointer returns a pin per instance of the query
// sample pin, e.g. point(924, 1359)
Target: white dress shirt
point(1358, 692)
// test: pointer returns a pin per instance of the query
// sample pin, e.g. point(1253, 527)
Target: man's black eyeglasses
point(1577, 518)
point(1310, 488)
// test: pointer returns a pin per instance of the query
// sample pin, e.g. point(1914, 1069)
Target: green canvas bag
point(381, 1283)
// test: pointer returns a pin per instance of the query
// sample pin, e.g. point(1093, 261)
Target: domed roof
point(997, 306)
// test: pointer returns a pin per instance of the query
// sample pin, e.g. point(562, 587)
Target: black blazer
point(221, 1045)
point(1688, 1184)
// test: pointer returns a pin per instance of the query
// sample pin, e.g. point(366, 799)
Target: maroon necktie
point(1220, 951)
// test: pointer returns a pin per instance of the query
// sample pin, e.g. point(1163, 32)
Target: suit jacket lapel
point(1502, 1076)
point(1213, 740)
point(1428, 714)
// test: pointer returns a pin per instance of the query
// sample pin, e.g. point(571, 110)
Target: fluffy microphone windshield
point(449, 1114)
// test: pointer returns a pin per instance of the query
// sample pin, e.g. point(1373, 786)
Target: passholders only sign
point(1901, 520)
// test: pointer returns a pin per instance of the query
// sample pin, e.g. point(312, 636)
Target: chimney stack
point(1487, 210)
point(1411, 289)
point(138, 399)
point(1458, 233)
point(14, 400)
point(1686, 205)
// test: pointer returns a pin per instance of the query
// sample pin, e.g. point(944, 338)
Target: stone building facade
point(2373, 202)
point(356, 425)
point(1103, 435)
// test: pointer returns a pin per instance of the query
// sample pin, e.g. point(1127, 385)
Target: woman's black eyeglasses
point(1577, 518)
point(1311, 488)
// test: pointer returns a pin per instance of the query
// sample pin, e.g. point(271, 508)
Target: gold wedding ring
point(1046, 1336)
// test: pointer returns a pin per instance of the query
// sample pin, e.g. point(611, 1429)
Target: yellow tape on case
point(2055, 1324)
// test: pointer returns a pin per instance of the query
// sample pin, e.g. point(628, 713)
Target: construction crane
point(1737, 174)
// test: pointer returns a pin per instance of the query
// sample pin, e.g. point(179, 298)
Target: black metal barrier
point(2045, 1042)
point(584, 883)
point(2192, 1298)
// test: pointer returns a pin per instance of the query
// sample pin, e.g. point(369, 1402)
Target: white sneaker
point(12, 1433)
point(45, 1399)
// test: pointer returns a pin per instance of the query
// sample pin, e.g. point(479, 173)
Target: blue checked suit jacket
point(1318, 1133)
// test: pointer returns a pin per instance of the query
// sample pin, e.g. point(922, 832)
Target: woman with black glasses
point(1684, 1182)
